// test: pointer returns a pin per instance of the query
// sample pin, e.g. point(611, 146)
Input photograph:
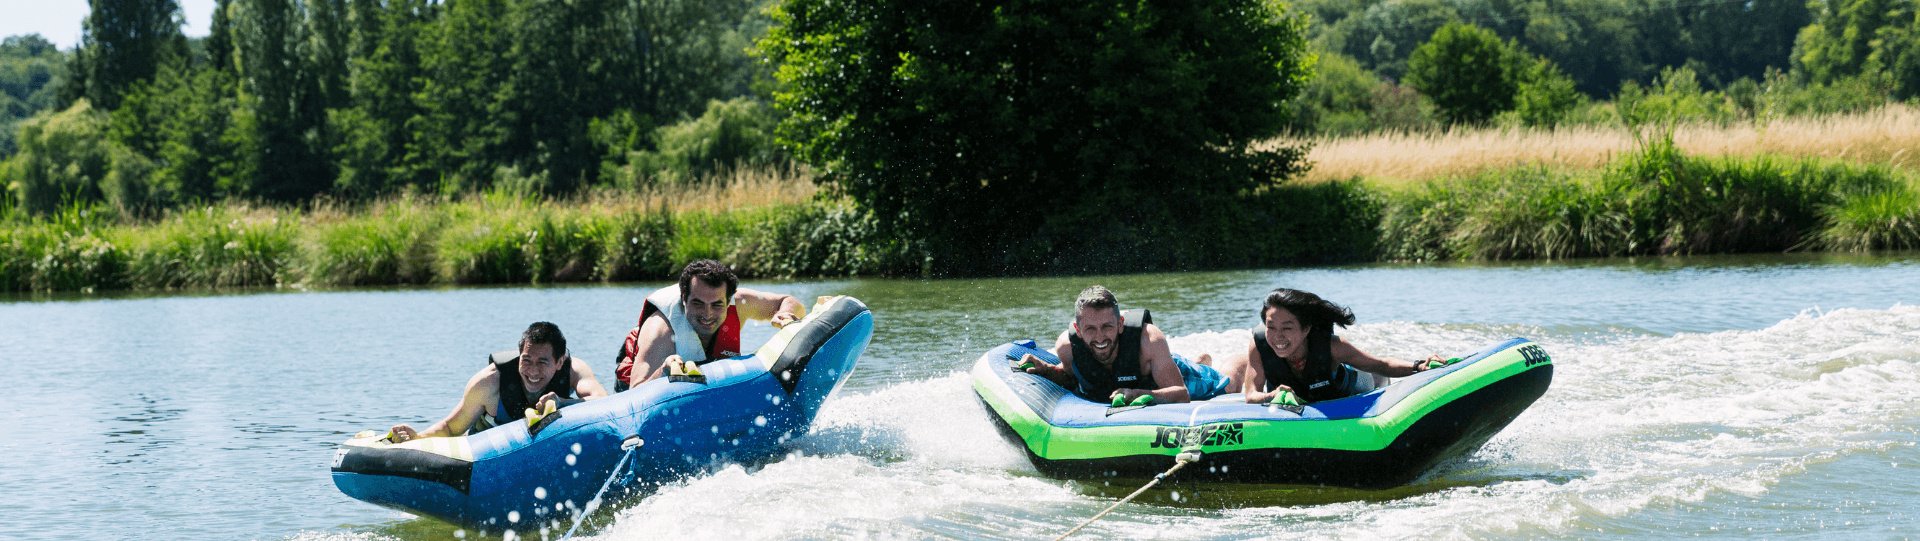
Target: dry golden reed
point(1889, 135)
point(734, 189)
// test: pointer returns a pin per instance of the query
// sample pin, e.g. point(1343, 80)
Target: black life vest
point(513, 392)
point(1098, 382)
point(1317, 383)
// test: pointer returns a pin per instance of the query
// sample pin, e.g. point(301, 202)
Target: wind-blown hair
point(1317, 314)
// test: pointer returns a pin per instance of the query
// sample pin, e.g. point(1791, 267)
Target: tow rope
point(631, 444)
point(1186, 456)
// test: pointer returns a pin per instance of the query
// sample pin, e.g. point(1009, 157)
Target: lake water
point(1742, 397)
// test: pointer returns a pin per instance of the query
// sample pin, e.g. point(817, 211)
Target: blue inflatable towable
point(532, 475)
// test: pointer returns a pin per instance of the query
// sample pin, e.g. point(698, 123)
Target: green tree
point(124, 41)
point(1837, 45)
point(66, 156)
point(373, 147)
point(1468, 72)
point(30, 69)
point(1899, 50)
point(1725, 42)
point(1386, 33)
point(1546, 95)
point(1017, 136)
point(279, 118)
point(463, 60)
point(1337, 99)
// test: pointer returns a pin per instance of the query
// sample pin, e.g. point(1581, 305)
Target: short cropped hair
point(545, 333)
point(1096, 297)
point(710, 272)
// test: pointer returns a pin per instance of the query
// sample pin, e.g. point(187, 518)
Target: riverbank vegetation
point(359, 142)
point(1654, 200)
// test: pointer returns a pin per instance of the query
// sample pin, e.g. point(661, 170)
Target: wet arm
point(1158, 364)
point(1060, 374)
point(654, 345)
point(778, 308)
point(482, 388)
point(585, 385)
point(1255, 382)
point(1345, 352)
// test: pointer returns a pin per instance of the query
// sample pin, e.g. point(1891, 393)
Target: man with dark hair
point(1122, 357)
point(534, 377)
point(696, 321)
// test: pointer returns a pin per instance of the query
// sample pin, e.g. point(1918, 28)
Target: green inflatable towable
point(1380, 439)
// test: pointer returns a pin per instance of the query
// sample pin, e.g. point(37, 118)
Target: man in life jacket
point(696, 321)
point(1122, 358)
point(535, 376)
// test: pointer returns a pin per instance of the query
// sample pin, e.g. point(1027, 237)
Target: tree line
point(286, 100)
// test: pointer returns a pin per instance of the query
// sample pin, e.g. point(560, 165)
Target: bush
point(1675, 96)
point(1876, 218)
point(215, 246)
point(391, 244)
point(1546, 97)
point(639, 246)
point(729, 134)
point(65, 251)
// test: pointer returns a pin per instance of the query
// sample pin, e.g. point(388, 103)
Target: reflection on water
point(1690, 394)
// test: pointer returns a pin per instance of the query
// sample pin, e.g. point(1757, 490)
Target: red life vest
point(726, 339)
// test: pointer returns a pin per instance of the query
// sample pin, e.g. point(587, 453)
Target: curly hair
point(712, 273)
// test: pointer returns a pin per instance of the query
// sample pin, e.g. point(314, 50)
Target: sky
point(59, 20)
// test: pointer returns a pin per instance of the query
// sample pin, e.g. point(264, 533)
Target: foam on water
point(1633, 422)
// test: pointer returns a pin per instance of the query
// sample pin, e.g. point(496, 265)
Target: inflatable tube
point(1381, 439)
point(523, 476)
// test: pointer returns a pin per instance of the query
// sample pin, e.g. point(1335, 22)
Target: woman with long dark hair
point(1295, 357)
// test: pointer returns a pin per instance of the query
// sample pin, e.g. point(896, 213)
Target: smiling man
point(540, 373)
point(1106, 355)
point(696, 321)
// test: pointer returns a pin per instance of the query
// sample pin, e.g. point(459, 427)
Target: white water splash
point(1635, 429)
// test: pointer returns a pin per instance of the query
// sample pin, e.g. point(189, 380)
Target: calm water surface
point(1720, 397)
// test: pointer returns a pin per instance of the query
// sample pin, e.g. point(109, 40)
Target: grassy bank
point(1655, 198)
point(765, 222)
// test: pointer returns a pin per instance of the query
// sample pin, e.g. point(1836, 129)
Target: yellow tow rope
point(1187, 456)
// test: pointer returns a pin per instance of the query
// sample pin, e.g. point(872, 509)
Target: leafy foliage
point(30, 67)
point(1013, 134)
point(1470, 74)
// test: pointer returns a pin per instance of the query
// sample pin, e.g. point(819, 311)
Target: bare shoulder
point(489, 374)
point(581, 367)
point(1150, 333)
point(655, 327)
point(485, 385)
point(1063, 346)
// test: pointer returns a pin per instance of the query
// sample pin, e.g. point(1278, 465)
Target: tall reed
point(1889, 135)
point(1656, 200)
